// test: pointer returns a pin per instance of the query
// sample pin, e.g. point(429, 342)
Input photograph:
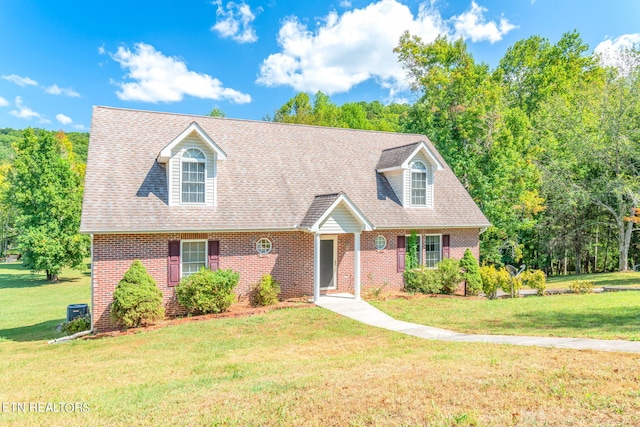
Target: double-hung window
point(192, 165)
point(432, 250)
point(193, 256)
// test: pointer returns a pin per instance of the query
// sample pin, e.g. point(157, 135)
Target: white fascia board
point(165, 154)
point(367, 226)
point(395, 168)
point(430, 155)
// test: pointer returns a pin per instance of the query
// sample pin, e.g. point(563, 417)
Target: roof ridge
point(254, 121)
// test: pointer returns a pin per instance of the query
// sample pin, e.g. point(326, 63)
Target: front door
point(328, 262)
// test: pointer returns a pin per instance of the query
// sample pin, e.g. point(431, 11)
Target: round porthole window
point(380, 242)
point(263, 246)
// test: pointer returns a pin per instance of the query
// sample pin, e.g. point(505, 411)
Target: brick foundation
point(290, 262)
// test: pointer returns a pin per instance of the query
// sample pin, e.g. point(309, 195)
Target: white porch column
point(316, 267)
point(356, 263)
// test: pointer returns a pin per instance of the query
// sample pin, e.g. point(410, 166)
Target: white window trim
point(206, 252)
point(204, 162)
point(426, 183)
point(420, 249)
point(270, 246)
point(385, 243)
point(425, 249)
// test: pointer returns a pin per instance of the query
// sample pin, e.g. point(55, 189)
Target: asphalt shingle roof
point(270, 180)
point(394, 157)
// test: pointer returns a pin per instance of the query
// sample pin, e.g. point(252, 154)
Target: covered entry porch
point(332, 217)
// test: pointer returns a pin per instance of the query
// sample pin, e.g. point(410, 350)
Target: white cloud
point(612, 53)
point(79, 127)
point(56, 90)
point(348, 49)
point(472, 25)
point(234, 22)
point(356, 46)
point(345, 3)
point(24, 112)
point(65, 120)
point(20, 81)
point(101, 50)
point(159, 78)
point(3, 102)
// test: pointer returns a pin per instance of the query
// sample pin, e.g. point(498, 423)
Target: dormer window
point(193, 177)
point(418, 184)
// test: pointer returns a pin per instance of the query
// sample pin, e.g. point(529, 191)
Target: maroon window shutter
point(214, 255)
point(401, 253)
point(446, 245)
point(173, 263)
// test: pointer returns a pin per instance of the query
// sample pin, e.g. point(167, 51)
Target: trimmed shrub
point(508, 283)
point(422, 280)
point(77, 324)
point(534, 279)
point(137, 301)
point(266, 291)
point(581, 286)
point(208, 291)
point(471, 273)
point(489, 276)
point(448, 272)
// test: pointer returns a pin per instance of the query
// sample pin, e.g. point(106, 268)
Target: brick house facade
point(311, 206)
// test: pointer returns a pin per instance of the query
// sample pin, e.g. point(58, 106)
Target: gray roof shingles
point(394, 157)
point(270, 180)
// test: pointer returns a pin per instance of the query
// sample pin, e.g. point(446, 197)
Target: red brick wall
point(290, 262)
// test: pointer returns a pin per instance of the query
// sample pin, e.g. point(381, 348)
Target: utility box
point(76, 310)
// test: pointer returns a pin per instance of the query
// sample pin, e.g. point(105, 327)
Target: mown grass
point(614, 315)
point(31, 307)
point(312, 367)
point(627, 278)
point(303, 366)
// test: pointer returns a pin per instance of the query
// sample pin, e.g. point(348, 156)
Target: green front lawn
point(31, 307)
point(303, 366)
point(628, 278)
point(614, 315)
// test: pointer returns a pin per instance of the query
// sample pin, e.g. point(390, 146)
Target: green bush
point(208, 291)
point(508, 283)
point(422, 280)
point(534, 279)
point(471, 273)
point(489, 276)
point(266, 291)
point(581, 286)
point(137, 300)
point(77, 324)
point(448, 272)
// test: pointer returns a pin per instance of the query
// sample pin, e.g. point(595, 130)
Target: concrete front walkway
point(364, 312)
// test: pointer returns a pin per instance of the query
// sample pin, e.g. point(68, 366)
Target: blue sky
point(59, 58)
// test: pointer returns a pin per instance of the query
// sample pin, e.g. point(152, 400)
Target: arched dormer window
point(418, 184)
point(192, 165)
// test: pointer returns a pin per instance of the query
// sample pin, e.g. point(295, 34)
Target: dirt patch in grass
point(313, 367)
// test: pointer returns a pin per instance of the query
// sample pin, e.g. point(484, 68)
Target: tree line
point(547, 143)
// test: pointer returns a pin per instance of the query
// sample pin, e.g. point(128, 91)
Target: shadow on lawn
point(38, 332)
point(24, 278)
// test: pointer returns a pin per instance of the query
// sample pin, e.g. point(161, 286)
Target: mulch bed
point(242, 309)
